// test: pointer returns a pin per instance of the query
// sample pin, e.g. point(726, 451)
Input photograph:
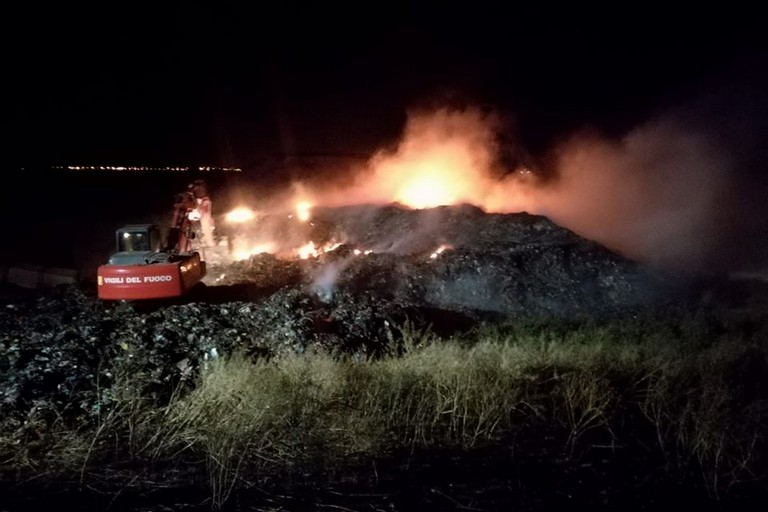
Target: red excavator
point(145, 267)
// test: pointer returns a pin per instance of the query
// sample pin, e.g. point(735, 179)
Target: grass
point(681, 386)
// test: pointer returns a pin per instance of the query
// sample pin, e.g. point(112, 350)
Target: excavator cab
point(139, 237)
point(144, 266)
point(136, 243)
point(141, 269)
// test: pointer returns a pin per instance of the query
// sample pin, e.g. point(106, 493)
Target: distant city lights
point(204, 168)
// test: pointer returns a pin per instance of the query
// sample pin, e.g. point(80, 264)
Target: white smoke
point(652, 195)
point(669, 192)
point(324, 283)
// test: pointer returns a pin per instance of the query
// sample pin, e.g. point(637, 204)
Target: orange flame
point(307, 250)
point(439, 251)
point(445, 157)
point(303, 210)
point(426, 190)
point(649, 195)
point(239, 215)
point(244, 249)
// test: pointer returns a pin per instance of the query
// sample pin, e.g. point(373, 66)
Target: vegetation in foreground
point(688, 388)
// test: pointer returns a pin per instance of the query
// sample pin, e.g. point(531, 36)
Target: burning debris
point(447, 268)
point(457, 257)
point(657, 194)
point(439, 251)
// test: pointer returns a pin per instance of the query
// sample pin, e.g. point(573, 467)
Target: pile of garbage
point(447, 269)
point(456, 258)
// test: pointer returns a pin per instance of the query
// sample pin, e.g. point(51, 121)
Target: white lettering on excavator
point(138, 280)
point(158, 279)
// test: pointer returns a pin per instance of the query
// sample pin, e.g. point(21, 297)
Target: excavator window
point(139, 239)
point(134, 241)
point(155, 240)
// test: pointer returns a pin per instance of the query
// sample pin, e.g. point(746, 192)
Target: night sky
point(137, 84)
point(127, 84)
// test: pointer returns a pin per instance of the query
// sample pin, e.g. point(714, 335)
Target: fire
point(310, 250)
point(445, 157)
point(439, 251)
point(427, 190)
point(243, 250)
point(303, 211)
point(307, 250)
point(626, 193)
point(240, 215)
point(331, 246)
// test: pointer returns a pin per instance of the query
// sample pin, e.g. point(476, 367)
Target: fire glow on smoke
point(648, 195)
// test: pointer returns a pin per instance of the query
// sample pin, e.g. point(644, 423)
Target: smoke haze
point(653, 195)
point(682, 191)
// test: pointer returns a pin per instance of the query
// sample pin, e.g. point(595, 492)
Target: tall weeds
point(585, 381)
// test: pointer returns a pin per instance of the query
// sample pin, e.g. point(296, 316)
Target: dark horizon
point(671, 107)
point(226, 86)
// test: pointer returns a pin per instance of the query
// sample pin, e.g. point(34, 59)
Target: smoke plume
point(665, 193)
point(653, 195)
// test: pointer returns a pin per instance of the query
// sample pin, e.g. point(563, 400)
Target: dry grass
point(243, 415)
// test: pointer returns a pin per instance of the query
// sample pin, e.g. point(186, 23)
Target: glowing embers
point(439, 251)
point(243, 249)
point(240, 215)
point(309, 250)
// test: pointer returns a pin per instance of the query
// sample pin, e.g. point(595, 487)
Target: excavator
point(144, 266)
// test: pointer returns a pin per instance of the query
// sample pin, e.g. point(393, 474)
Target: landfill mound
point(446, 269)
point(455, 258)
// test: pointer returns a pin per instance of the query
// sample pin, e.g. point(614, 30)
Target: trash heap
point(62, 351)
